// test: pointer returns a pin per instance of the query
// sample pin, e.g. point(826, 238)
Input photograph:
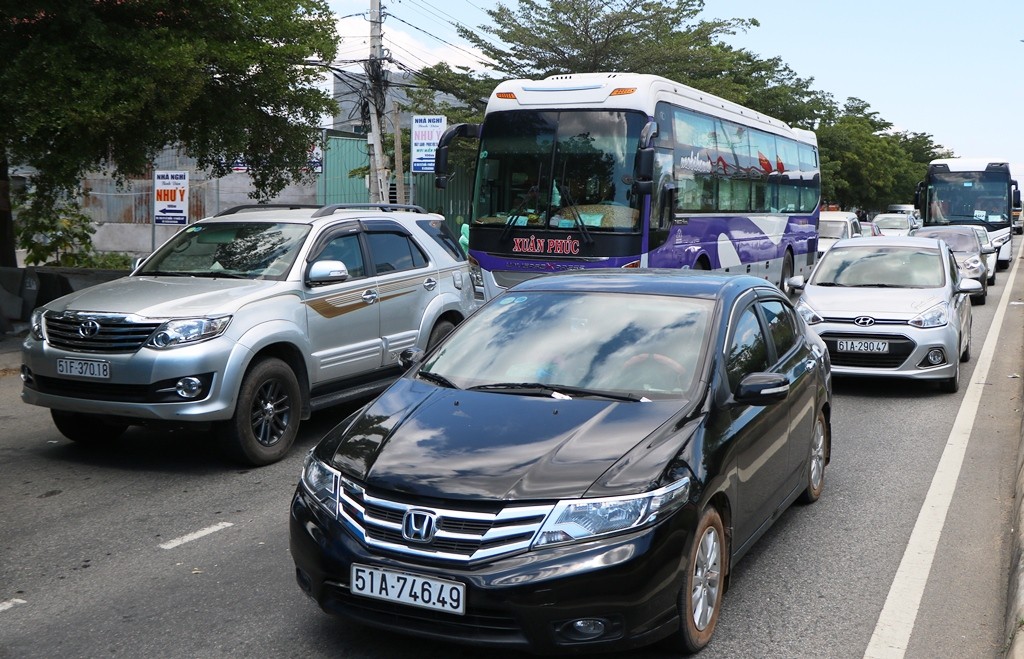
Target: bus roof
point(639, 91)
point(971, 164)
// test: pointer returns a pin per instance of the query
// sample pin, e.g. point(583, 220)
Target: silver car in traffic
point(891, 306)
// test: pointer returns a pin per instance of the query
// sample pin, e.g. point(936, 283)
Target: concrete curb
point(1015, 591)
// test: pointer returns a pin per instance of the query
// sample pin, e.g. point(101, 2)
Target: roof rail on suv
point(263, 207)
point(329, 210)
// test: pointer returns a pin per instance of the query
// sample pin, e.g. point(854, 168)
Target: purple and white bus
point(634, 171)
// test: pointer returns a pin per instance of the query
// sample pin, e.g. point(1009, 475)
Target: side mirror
point(441, 154)
point(764, 388)
point(988, 249)
point(410, 357)
point(971, 286)
point(326, 272)
point(796, 283)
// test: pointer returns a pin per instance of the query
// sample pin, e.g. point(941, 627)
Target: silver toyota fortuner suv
point(248, 322)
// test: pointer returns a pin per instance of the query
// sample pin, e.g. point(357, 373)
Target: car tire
point(700, 600)
point(442, 329)
point(816, 461)
point(951, 385)
point(266, 418)
point(992, 278)
point(965, 356)
point(88, 429)
point(787, 272)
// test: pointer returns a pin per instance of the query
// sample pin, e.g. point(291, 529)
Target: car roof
point(948, 228)
point(902, 216)
point(656, 281)
point(837, 215)
point(891, 241)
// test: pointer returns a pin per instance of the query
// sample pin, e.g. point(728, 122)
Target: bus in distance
point(634, 171)
point(974, 191)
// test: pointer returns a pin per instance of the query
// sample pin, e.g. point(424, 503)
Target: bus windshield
point(956, 197)
point(558, 169)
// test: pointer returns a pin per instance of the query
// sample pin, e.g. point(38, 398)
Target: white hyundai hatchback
point(891, 307)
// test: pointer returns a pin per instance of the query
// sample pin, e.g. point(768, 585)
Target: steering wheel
point(664, 360)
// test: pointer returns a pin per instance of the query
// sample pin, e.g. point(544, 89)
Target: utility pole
point(396, 118)
point(375, 78)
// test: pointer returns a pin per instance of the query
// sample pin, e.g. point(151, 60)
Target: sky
point(949, 69)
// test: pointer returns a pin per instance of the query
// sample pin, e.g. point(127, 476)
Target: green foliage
point(104, 86)
point(55, 232)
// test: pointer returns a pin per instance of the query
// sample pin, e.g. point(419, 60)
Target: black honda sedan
point(576, 469)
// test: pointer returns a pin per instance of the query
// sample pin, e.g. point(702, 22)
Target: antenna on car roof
point(329, 210)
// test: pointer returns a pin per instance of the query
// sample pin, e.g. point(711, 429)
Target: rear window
point(443, 236)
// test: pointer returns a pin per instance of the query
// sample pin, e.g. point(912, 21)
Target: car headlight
point(810, 316)
point(972, 263)
point(186, 331)
point(321, 481)
point(936, 316)
point(576, 520)
point(36, 323)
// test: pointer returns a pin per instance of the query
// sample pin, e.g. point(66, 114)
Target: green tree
point(105, 85)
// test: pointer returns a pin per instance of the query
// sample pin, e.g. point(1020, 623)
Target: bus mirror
point(642, 188)
point(1016, 198)
point(441, 155)
point(917, 196)
point(644, 165)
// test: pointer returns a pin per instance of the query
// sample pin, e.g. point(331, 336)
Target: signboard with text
point(426, 131)
point(170, 197)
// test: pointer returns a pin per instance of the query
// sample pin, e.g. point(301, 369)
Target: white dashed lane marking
point(195, 536)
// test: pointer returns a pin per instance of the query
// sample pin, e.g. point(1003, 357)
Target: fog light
point(936, 356)
point(26, 375)
point(188, 387)
point(588, 628)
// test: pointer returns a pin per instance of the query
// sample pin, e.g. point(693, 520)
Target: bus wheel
point(787, 272)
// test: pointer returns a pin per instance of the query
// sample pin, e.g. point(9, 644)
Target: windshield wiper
point(164, 273)
point(574, 212)
point(437, 379)
point(828, 283)
point(541, 389)
point(879, 285)
point(219, 274)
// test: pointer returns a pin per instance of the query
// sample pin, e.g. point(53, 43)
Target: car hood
point(894, 303)
point(420, 440)
point(166, 297)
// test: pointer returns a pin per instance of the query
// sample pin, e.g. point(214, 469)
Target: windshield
point(647, 345)
point(877, 266)
point(892, 221)
point(247, 250)
point(959, 196)
point(833, 229)
point(957, 241)
point(558, 169)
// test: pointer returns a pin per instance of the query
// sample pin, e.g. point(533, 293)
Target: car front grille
point(97, 333)
point(900, 348)
point(461, 535)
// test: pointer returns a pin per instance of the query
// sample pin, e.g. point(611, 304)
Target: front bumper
point(907, 355)
point(520, 602)
point(140, 385)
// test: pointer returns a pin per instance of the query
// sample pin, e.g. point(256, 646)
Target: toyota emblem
point(863, 321)
point(88, 329)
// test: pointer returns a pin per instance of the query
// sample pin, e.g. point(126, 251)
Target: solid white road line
point(195, 536)
point(10, 604)
point(896, 622)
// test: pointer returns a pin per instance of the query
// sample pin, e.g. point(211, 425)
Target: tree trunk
point(8, 258)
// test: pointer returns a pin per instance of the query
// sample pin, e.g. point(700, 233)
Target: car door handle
point(369, 296)
point(430, 283)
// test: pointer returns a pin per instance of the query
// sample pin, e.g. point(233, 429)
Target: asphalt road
point(158, 547)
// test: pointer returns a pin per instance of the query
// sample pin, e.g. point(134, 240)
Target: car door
point(961, 302)
point(343, 319)
point(407, 282)
point(759, 434)
point(795, 361)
